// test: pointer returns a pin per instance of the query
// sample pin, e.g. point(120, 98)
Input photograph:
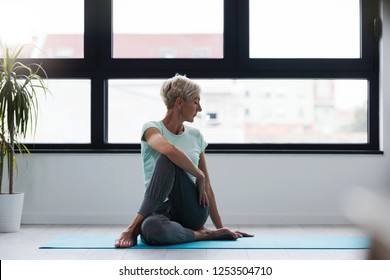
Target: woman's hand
point(201, 184)
point(242, 234)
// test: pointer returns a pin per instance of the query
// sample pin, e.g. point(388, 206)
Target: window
point(304, 29)
point(44, 27)
point(281, 111)
point(275, 77)
point(171, 29)
point(64, 115)
point(131, 103)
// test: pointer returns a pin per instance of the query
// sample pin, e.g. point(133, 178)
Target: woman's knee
point(159, 230)
point(164, 161)
point(153, 230)
point(193, 220)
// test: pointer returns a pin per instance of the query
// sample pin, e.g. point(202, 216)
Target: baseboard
point(285, 219)
point(228, 219)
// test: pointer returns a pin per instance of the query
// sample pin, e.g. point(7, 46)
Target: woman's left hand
point(203, 198)
point(242, 234)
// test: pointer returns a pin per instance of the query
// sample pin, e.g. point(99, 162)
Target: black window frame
point(98, 66)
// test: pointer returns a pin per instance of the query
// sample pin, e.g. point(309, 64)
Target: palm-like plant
point(19, 85)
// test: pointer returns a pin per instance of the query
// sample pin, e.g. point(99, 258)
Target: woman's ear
point(179, 102)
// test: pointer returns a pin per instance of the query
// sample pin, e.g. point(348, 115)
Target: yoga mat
point(257, 242)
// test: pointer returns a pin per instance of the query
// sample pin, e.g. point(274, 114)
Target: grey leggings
point(172, 221)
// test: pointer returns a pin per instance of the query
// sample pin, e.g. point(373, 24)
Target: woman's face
point(190, 109)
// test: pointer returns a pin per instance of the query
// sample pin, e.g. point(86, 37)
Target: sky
point(21, 18)
point(169, 16)
point(305, 28)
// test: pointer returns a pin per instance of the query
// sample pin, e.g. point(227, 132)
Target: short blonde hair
point(178, 86)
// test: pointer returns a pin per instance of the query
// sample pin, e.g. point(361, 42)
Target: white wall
point(257, 189)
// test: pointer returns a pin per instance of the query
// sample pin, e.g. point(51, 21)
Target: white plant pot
point(11, 207)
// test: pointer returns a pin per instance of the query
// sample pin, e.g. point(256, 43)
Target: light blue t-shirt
point(191, 141)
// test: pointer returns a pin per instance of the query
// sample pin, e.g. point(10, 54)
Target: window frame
point(99, 66)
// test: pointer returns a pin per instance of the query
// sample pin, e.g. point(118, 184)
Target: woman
point(178, 197)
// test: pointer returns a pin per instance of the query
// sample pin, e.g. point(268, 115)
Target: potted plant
point(19, 86)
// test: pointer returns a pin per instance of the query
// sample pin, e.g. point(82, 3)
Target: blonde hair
point(178, 86)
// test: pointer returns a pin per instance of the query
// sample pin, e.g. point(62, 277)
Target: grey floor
point(24, 245)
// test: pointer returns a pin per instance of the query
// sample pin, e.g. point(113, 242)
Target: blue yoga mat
point(257, 242)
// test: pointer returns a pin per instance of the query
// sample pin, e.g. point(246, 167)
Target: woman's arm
point(157, 141)
point(213, 209)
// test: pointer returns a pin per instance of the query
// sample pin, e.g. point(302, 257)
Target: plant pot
point(11, 207)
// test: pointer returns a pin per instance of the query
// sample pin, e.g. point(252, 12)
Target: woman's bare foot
point(218, 234)
point(129, 237)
